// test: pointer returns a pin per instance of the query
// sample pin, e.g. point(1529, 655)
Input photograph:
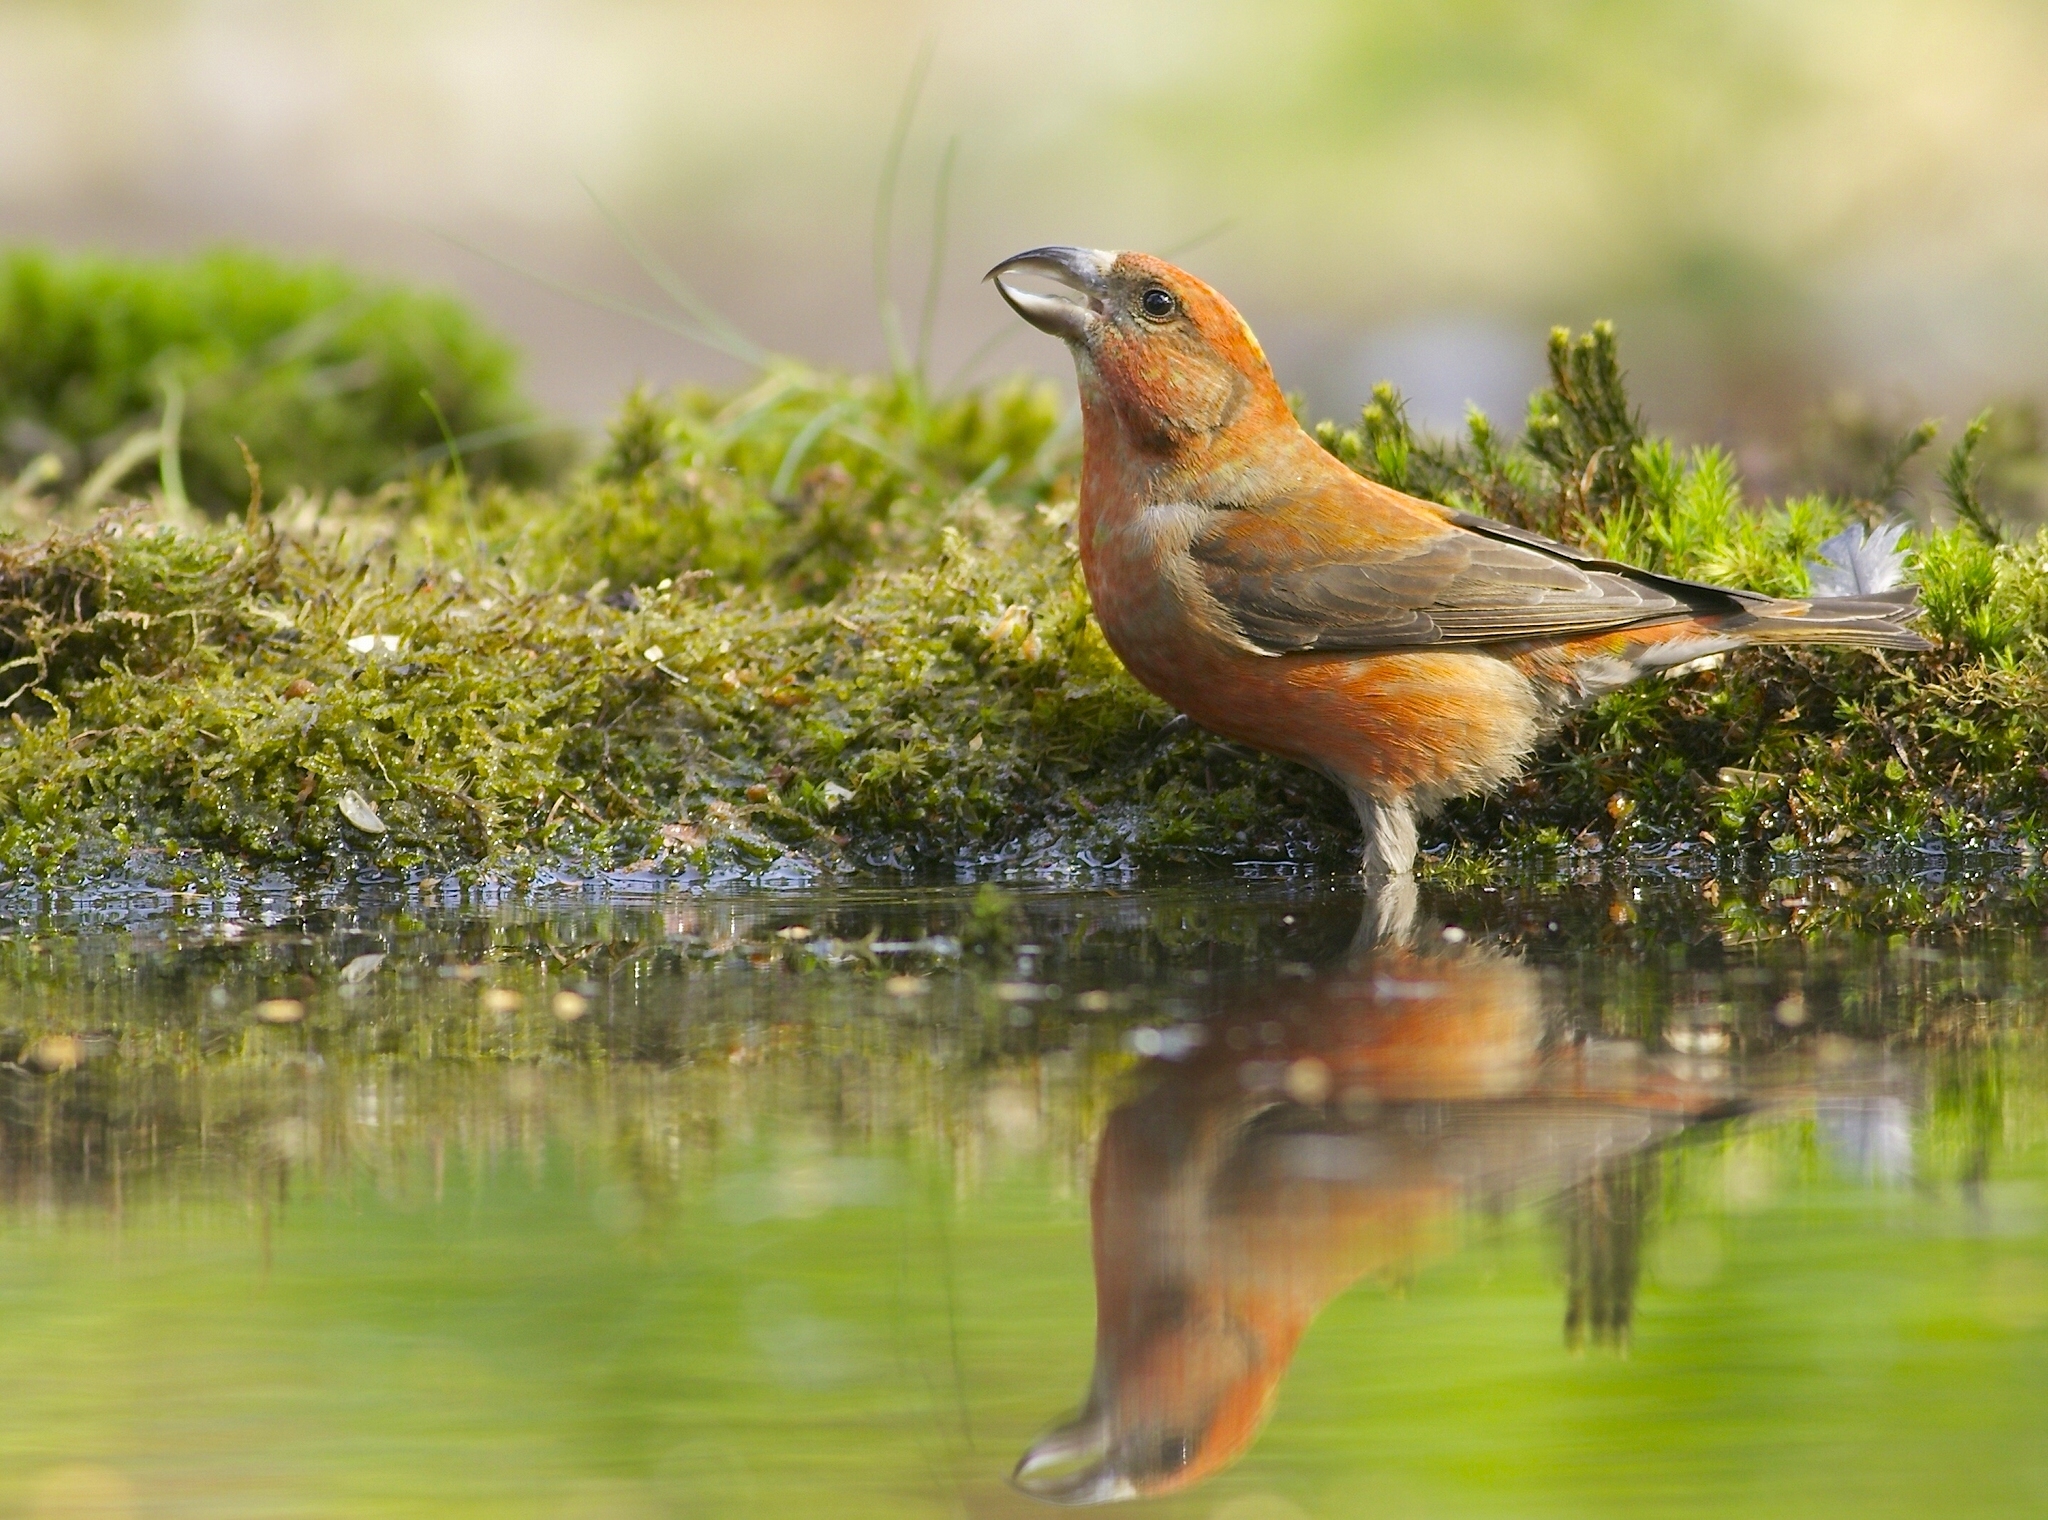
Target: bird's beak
point(1071, 1465)
point(1085, 271)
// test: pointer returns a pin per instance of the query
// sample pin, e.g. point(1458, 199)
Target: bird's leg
point(1389, 836)
point(1389, 869)
point(1390, 908)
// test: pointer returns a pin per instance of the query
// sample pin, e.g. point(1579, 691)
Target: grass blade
point(169, 463)
point(1206, 235)
point(605, 302)
point(941, 197)
point(885, 210)
point(672, 284)
point(448, 439)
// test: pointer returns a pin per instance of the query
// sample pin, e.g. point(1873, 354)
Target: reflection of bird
point(1409, 652)
point(1318, 1139)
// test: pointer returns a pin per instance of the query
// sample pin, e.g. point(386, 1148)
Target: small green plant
point(1583, 427)
point(1960, 479)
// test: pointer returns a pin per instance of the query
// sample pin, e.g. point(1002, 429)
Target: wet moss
point(829, 624)
point(238, 691)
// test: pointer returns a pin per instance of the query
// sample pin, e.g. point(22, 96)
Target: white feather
point(1856, 563)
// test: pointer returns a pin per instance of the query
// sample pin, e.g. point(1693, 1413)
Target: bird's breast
point(1149, 598)
point(1170, 631)
point(1433, 720)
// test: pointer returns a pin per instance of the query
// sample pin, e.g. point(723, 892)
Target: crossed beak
point(1071, 1465)
point(1085, 271)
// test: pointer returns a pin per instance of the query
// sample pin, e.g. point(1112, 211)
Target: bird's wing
point(1344, 569)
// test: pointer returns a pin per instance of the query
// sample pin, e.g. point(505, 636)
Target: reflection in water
point(778, 1205)
point(1300, 1142)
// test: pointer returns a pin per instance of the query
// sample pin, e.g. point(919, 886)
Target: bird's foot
point(1390, 911)
point(1389, 866)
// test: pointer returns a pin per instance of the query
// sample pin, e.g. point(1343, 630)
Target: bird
point(1333, 1132)
point(1410, 652)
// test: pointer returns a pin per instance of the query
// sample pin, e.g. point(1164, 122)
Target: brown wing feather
point(1337, 570)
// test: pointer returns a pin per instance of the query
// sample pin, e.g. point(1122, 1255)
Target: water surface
point(803, 1204)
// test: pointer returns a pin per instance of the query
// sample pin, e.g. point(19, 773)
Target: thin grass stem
point(604, 302)
point(928, 318)
point(861, 436)
point(991, 472)
point(885, 211)
point(117, 465)
point(448, 438)
point(982, 350)
point(799, 446)
point(671, 283)
point(170, 465)
point(1207, 235)
point(482, 438)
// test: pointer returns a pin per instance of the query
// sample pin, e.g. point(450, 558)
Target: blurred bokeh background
point(1784, 208)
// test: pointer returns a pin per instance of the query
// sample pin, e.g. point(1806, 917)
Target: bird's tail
point(1862, 597)
point(1876, 620)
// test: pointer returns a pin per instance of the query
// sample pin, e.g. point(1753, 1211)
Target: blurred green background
point(1785, 208)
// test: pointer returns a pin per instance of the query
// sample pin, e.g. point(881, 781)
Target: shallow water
point(781, 1204)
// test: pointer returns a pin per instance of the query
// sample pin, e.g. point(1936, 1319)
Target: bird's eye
point(1158, 304)
point(1175, 1452)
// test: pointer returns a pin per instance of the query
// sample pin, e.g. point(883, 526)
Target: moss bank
point(244, 693)
point(831, 624)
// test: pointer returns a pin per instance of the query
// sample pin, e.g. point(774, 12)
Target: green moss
point(227, 691)
point(827, 623)
point(797, 482)
point(321, 373)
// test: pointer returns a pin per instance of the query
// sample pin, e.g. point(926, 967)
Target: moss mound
point(325, 376)
point(832, 624)
point(795, 484)
point(244, 693)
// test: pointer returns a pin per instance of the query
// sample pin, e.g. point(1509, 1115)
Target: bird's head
point(1167, 355)
point(1180, 1404)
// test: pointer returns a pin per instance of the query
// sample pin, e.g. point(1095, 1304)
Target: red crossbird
point(1320, 1135)
point(1409, 652)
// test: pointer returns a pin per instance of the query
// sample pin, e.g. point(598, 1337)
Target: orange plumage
point(1409, 652)
point(1254, 1179)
